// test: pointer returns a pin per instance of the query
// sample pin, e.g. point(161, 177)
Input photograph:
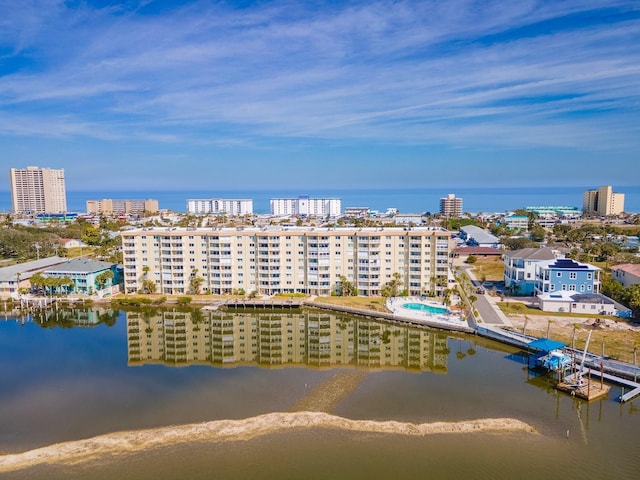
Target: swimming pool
point(426, 308)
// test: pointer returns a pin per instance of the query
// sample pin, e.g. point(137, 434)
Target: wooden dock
point(587, 391)
point(625, 397)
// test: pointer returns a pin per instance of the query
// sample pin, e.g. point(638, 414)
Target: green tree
point(347, 289)
point(103, 278)
point(195, 282)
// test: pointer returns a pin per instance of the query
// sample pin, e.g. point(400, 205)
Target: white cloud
point(394, 72)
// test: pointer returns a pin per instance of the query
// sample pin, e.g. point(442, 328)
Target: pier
point(625, 397)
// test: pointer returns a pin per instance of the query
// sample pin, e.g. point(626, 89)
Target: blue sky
point(151, 95)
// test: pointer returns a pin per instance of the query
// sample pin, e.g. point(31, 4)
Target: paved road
point(486, 304)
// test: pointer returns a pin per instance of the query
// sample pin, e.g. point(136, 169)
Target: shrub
point(471, 259)
point(183, 300)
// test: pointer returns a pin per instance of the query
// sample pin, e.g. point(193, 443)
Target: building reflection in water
point(274, 340)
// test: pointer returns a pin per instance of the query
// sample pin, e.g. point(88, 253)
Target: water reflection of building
point(74, 316)
point(313, 339)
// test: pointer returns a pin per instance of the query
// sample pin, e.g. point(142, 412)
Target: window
point(558, 274)
point(573, 275)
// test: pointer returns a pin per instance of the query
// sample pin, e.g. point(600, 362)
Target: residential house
point(627, 274)
point(566, 275)
point(520, 268)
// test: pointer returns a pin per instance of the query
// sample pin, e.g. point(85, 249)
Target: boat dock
point(625, 397)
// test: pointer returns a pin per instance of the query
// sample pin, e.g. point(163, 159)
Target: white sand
point(121, 443)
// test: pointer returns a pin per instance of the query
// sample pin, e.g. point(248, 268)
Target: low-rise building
point(566, 275)
point(475, 236)
point(520, 268)
point(85, 275)
point(16, 277)
point(627, 274)
point(586, 303)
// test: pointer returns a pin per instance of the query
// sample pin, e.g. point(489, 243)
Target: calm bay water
point(406, 200)
point(72, 375)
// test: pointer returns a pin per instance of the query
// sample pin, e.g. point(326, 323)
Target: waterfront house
point(520, 268)
point(565, 274)
point(16, 277)
point(86, 275)
point(627, 274)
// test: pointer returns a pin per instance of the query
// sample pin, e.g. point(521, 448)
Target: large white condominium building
point(305, 206)
point(451, 206)
point(110, 207)
point(286, 260)
point(603, 202)
point(38, 190)
point(220, 206)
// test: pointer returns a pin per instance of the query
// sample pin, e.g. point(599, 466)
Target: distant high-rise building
point(220, 206)
point(110, 207)
point(307, 207)
point(38, 190)
point(450, 206)
point(603, 202)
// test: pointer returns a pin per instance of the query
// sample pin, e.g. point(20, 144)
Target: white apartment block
point(305, 206)
point(220, 206)
point(38, 190)
point(602, 201)
point(451, 206)
point(109, 207)
point(286, 260)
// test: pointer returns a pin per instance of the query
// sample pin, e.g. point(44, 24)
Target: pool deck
point(450, 321)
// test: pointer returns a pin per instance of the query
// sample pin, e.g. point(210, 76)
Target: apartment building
point(451, 206)
point(305, 206)
point(603, 201)
point(274, 260)
point(220, 206)
point(108, 206)
point(38, 190)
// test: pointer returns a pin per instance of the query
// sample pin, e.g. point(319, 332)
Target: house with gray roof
point(85, 275)
point(474, 236)
point(15, 277)
point(586, 303)
point(520, 268)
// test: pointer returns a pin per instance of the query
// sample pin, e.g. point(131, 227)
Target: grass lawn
point(370, 303)
point(490, 267)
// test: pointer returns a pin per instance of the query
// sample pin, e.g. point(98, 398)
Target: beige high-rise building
point(118, 207)
point(450, 206)
point(276, 260)
point(603, 201)
point(38, 190)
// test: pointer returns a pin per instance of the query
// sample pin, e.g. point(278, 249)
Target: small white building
point(588, 303)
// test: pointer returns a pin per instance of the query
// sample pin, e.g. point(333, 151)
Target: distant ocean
point(409, 200)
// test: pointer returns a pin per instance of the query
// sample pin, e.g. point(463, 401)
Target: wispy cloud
point(460, 73)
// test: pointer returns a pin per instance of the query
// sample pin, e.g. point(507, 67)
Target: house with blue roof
point(566, 275)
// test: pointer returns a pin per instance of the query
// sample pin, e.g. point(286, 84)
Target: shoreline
point(130, 442)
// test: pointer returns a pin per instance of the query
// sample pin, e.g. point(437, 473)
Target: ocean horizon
point(410, 200)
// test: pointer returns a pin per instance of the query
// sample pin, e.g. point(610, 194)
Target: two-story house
point(565, 274)
point(520, 268)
